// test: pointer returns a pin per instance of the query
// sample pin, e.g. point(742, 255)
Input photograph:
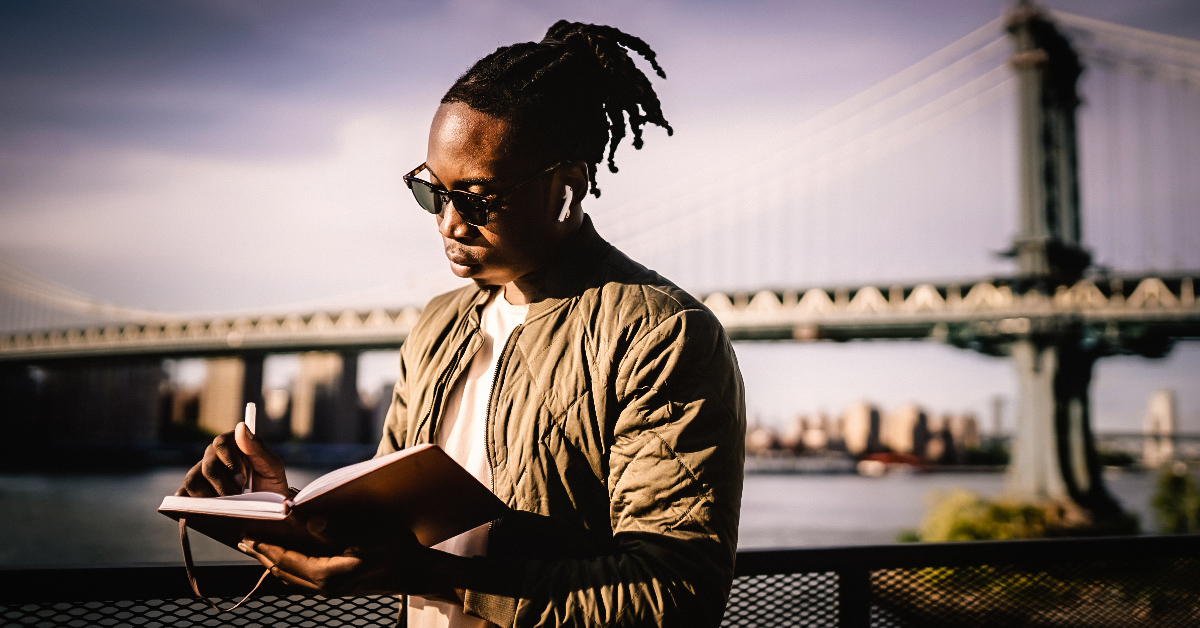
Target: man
point(599, 401)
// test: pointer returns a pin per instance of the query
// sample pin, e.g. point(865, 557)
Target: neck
point(527, 288)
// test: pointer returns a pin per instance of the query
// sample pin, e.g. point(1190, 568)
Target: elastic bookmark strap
point(187, 565)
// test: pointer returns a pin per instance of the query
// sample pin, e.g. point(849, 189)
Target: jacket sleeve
point(395, 424)
point(674, 484)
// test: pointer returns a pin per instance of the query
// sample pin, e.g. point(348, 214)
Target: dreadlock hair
point(569, 94)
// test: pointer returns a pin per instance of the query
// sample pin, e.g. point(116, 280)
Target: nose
point(450, 223)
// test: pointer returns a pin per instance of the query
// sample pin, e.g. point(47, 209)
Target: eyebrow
point(481, 181)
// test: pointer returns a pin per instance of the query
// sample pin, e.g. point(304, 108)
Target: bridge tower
point(1053, 453)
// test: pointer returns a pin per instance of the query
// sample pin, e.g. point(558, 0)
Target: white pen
point(249, 420)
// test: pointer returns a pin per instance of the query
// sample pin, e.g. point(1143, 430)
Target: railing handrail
point(144, 581)
point(908, 555)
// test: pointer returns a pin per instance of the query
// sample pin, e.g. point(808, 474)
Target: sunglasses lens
point(426, 197)
point(472, 210)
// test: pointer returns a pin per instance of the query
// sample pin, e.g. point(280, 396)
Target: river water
point(104, 519)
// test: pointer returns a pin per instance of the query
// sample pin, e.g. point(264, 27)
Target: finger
point(218, 475)
point(315, 569)
point(196, 485)
point(265, 463)
point(226, 450)
point(294, 580)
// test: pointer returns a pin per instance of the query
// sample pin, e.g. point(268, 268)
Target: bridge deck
point(982, 313)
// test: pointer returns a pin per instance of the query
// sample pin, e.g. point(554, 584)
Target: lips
point(459, 256)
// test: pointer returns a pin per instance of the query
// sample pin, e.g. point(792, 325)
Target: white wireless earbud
point(566, 209)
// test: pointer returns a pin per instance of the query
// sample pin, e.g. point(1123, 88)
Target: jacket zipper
point(487, 416)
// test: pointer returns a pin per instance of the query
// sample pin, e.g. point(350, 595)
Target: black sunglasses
point(472, 207)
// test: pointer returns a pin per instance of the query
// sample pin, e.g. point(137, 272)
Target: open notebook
point(420, 488)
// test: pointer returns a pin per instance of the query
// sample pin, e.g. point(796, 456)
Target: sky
point(232, 155)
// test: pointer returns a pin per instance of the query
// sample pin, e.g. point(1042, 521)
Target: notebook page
point(231, 504)
point(341, 476)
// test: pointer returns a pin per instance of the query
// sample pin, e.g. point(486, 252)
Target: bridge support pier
point(325, 403)
point(252, 380)
point(1053, 454)
point(338, 405)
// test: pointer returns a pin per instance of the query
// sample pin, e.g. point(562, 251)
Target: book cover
point(420, 488)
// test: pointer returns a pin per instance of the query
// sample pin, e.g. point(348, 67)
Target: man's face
point(475, 152)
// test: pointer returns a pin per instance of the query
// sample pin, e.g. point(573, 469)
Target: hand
point(222, 469)
point(400, 565)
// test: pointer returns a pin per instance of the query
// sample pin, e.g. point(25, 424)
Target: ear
point(576, 177)
point(568, 211)
point(568, 197)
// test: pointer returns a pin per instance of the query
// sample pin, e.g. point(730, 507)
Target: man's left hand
point(349, 573)
point(400, 566)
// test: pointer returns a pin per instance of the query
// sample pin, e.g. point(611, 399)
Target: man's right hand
point(222, 469)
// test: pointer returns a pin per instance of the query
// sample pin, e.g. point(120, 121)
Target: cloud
point(209, 232)
point(123, 123)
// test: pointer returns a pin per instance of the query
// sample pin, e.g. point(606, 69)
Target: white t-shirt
point(462, 434)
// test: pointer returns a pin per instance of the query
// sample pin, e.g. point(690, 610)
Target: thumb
point(265, 463)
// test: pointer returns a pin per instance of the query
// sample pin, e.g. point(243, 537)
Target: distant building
point(221, 396)
point(325, 400)
point(905, 431)
point(940, 448)
point(864, 429)
point(964, 429)
point(860, 429)
point(761, 439)
point(791, 438)
point(833, 431)
point(815, 436)
point(1159, 428)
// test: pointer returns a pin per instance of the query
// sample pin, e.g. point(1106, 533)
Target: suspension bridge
point(784, 254)
point(1046, 162)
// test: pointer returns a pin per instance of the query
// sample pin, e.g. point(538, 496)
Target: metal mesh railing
point(807, 600)
point(1116, 594)
point(291, 610)
point(1138, 581)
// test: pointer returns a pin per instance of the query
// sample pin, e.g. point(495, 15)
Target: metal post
point(854, 597)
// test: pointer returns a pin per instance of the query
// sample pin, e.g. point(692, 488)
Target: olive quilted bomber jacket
point(616, 429)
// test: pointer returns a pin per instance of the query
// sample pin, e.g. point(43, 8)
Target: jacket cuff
point(498, 609)
point(493, 591)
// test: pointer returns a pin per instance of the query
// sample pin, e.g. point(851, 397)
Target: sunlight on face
point(476, 152)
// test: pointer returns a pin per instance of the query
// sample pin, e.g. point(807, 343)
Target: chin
point(477, 274)
point(467, 271)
